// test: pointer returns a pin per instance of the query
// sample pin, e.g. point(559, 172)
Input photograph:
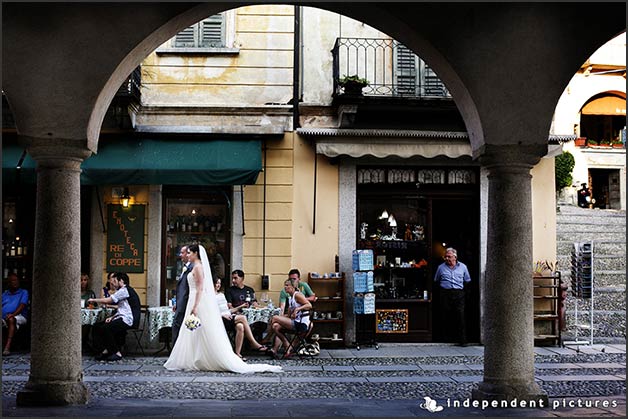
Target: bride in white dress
point(207, 348)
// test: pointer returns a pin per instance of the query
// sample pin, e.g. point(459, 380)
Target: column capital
point(56, 152)
point(514, 157)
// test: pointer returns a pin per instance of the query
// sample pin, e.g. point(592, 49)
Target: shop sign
point(125, 238)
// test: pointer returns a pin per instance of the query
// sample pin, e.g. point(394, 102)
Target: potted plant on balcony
point(605, 143)
point(617, 143)
point(581, 142)
point(353, 85)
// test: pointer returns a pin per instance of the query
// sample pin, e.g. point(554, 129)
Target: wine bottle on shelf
point(19, 248)
point(13, 249)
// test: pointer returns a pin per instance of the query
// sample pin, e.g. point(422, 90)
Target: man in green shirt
point(303, 287)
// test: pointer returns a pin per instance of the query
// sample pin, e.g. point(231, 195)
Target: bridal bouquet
point(192, 322)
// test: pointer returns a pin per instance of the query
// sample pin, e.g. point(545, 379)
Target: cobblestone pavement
point(389, 382)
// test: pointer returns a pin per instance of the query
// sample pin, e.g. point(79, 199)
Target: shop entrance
point(194, 215)
point(408, 216)
point(455, 223)
point(605, 188)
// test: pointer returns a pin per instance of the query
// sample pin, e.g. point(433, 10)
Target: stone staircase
point(607, 229)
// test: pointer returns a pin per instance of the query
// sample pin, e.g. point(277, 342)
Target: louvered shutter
point(405, 70)
point(185, 38)
point(433, 84)
point(208, 33)
point(211, 32)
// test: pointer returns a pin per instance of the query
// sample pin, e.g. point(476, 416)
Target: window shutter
point(185, 38)
point(433, 84)
point(211, 32)
point(405, 70)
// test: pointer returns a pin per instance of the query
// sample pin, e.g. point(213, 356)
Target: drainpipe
point(264, 215)
point(296, 68)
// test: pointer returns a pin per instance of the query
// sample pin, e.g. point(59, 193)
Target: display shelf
point(329, 301)
point(546, 309)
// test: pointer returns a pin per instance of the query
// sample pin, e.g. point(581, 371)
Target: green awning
point(161, 162)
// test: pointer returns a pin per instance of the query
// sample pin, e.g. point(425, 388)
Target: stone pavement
point(390, 382)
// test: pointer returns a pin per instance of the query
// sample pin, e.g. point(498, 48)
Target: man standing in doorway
point(451, 276)
point(183, 290)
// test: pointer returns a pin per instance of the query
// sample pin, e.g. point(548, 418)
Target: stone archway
point(505, 66)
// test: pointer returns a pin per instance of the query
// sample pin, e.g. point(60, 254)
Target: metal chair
point(297, 339)
point(139, 331)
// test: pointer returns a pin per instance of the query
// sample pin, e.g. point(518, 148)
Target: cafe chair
point(297, 339)
point(139, 331)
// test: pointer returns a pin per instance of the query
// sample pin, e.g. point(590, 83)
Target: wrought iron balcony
point(390, 68)
point(131, 87)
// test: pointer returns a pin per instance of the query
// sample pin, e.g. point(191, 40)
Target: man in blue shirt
point(14, 309)
point(451, 276)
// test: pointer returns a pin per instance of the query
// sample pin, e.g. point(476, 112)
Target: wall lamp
point(125, 198)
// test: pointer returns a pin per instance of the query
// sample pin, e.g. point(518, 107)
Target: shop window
point(432, 176)
point(401, 176)
point(371, 176)
point(204, 221)
point(458, 177)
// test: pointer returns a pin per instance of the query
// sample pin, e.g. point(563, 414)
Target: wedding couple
point(206, 348)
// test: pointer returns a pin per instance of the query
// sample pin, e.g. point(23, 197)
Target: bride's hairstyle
point(194, 249)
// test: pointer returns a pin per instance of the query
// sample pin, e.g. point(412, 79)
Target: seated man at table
point(239, 295)
point(235, 323)
point(111, 331)
point(14, 310)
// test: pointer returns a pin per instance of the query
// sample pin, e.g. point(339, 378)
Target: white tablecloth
point(262, 314)
point(159, 318)
point(91, 316)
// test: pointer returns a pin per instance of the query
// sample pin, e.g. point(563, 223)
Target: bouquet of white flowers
point(192, 322)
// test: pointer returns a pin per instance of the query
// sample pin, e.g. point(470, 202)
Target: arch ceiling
point(511, 59)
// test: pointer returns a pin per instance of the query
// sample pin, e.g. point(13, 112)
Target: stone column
point(507, 303)
point(56, 375)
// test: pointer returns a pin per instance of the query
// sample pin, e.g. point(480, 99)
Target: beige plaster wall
point(315, 243)
point(290, 242)
point(543, 212)
point(320, 29)
point(260, 73)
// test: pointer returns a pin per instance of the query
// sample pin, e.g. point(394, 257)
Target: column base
point(53, 394)
point(511, 392)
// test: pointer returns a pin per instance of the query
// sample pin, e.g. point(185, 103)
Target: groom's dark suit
point(183, 290)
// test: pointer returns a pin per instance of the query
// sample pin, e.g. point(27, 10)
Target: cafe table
point(160, 318)
point(91, 316)
point(260, 314)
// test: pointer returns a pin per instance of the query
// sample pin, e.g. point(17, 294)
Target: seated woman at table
point(86, 294)
point(298, 319)
point(235, 322)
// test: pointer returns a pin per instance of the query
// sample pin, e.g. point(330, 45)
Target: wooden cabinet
point(547, 292)
point(329, 309)
point(407, 291)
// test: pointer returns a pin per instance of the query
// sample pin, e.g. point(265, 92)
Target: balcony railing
point(390, 67)
point(131, 87)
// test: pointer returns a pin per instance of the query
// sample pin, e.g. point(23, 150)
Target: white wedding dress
point(208, 348)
